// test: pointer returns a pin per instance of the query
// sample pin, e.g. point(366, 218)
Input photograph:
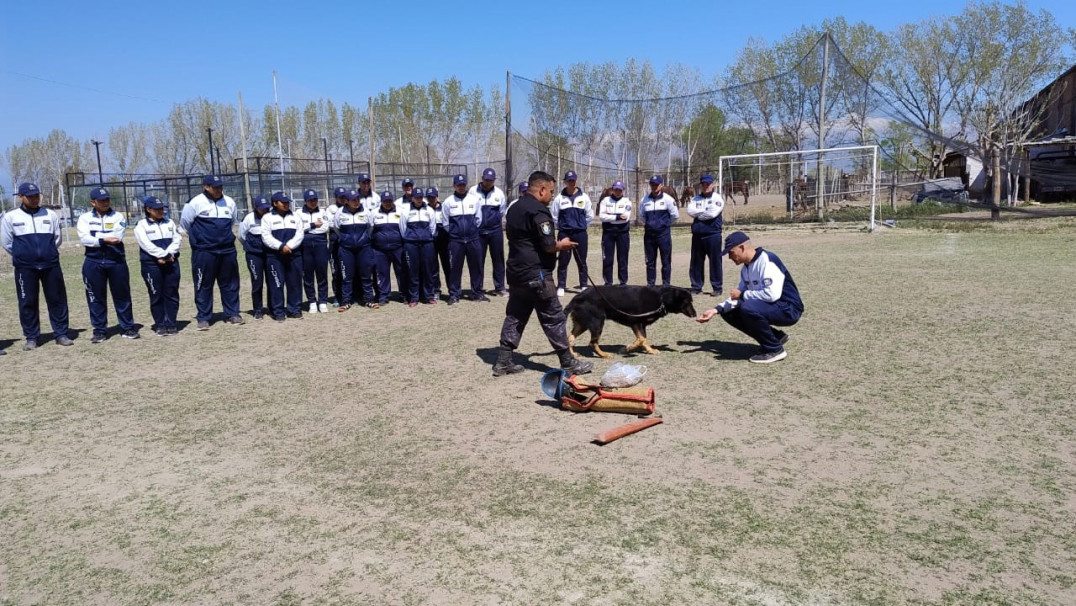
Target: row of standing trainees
point(361, 250)
point(573, 211)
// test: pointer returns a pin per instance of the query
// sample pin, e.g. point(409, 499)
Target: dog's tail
point(570, 306)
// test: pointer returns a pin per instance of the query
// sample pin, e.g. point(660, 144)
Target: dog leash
point(586, 272)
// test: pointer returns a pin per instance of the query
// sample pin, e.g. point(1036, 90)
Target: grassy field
point(916, 447)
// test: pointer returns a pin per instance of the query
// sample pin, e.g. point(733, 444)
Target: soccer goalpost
point(807, 178)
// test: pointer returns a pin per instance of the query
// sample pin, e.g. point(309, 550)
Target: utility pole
point(328, 168)
point(209, 130)
point(820, 180)
point(350, 156)
point(97, 146)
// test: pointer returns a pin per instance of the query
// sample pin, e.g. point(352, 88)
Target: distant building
point(1052, 151)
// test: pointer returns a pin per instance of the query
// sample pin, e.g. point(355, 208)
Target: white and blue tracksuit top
point(208, 223)
point(353, 228)
point(386, 228)
point(94, 228)
point(658, 214)
point(250, 234)
point(157, 239)
point(370, 202)
point(706, 210)
point(572, 212)
point(462, 216)
point(418, 224)
point(608, 211)
point(279, 231)
point(766, 278)
point(31, 238)
point(314, 235)
point(493, 205)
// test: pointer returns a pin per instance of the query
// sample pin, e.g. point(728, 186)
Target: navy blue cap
point(353, 194)
point(152, 202)
point(656, 180)
point(29, 189)
point(489, 174)
point(362, 177)
point(387, 195)
point(213, 180)
point(733, 240)
point(459, 180)
point(706, 178)
point(523, 185)
point(618, 184)
point(310, 194)
point(570, 176)
point(99, 193)
point(407, 182)
point(417, 192)
point(279, 196)
point(431, 192)
point(262, 203)
point(340, 192)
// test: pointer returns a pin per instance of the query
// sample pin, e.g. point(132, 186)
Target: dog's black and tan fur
point(633, 306)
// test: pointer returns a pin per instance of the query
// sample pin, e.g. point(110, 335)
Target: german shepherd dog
point(633, 306)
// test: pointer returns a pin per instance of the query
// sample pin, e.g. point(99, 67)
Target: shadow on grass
point(721, 349)
point(489, 356)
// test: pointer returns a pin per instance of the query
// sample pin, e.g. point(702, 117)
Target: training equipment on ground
point(577, 395)
point(627, 429)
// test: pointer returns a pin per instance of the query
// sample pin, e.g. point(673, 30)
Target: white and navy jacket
point(279, 231)
point(250, 234)
point(353, 228)
point(157, 239)
point(706, 210)
point(418, 224)
point(493, 204)
point(572, 212)
point(608, 211)
point(370, 202)
point(330, 212)
point(314, 235)
point(765, 278)
point(386, 228)
point(31, 238)
point(208, 223)
point(658, 214)
point(94, 228)
point(462, 216)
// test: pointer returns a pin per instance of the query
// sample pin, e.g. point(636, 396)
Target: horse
point(730, 188)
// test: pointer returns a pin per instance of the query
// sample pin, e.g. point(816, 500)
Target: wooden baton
point(625, 430)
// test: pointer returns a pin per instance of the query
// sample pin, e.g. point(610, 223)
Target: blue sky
point(55, 57)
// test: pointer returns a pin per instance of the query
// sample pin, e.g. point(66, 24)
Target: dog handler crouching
point(766, 297)
point(532, 257)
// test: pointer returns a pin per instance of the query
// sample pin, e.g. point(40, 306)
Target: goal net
point(803, 182)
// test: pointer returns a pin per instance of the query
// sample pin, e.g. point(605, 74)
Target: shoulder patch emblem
point(547, 228)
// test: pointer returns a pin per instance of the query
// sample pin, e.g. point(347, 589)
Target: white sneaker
point(323, 308)
point(313, 308)
point(583, 288)
point(560, 292)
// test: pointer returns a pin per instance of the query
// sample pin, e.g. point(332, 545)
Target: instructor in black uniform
point(532, 258)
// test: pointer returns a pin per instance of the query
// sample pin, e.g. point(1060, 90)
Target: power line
point(91, 89)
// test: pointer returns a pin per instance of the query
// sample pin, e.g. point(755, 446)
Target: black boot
point(503, 365)
point(572, 364)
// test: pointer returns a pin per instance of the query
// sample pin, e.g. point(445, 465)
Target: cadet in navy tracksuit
point(408, 187)
point(615, 214)
point(706, 209)
point(31, 235)
point(418, 224)
point(340, 201)
point(105, 267)
point(315, 252)
point(440, 240)
point(765, 297)
point(572, 211)
point(388, 246)
point(491, 230)
point(462, 214)
point(658, 212)
point(352, 224)
point(250, 236)
point(208, 219)
point(158, 243)
point(282, 235)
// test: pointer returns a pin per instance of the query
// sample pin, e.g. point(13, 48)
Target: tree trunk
point(995, 201)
